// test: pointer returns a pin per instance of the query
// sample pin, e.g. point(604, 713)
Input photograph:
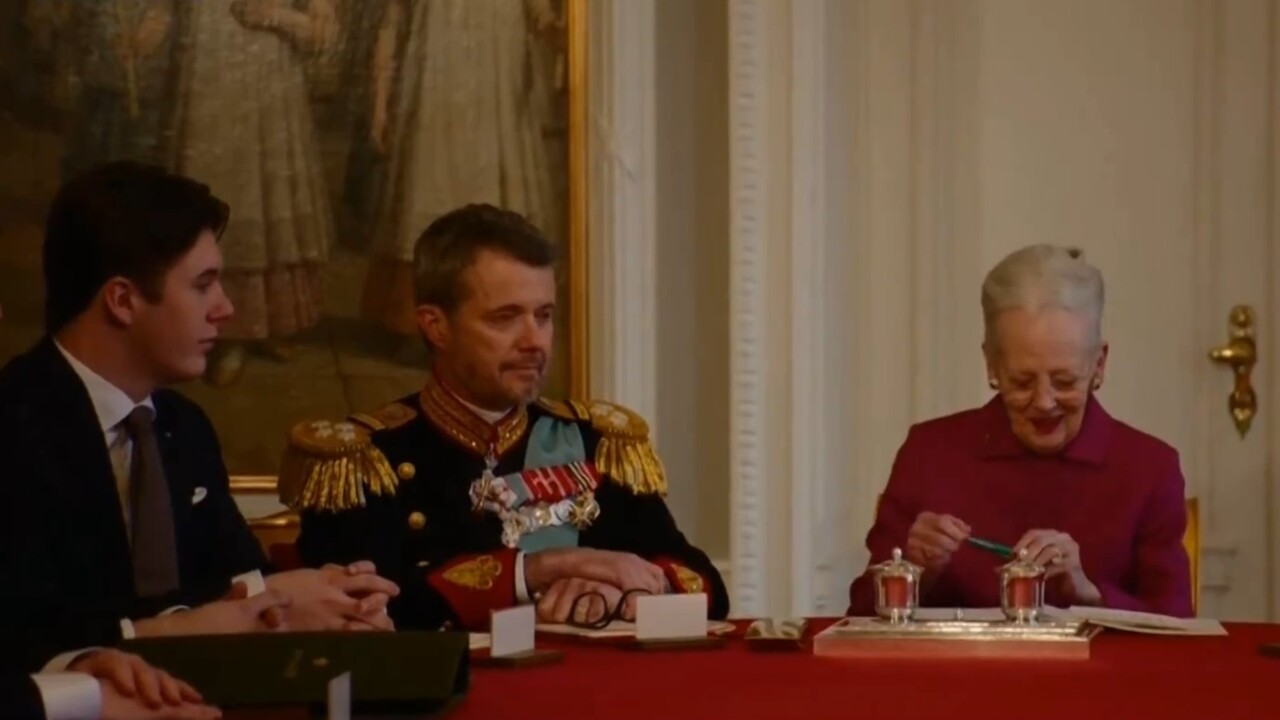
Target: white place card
point(340, 697)
point(671, 617)
point(511, 631)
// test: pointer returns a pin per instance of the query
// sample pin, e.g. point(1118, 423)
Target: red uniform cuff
point(476, 585)
point(680, 577)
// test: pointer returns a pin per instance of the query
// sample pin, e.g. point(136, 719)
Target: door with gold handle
point(1240, 354)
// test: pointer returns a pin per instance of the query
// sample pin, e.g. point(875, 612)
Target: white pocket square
point(198, 495)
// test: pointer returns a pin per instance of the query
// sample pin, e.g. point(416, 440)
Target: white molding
point(1205, 179)
point(808, 316)
point(1241, 217)
point(931, 253)
point(748, 226)
point(788, 491)
point(912, 76)
point(868, 459)
point(623, 213)
point(834, 548)
point(843, 141)
point(944, 196)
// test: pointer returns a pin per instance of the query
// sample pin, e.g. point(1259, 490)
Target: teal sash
point(552, 442)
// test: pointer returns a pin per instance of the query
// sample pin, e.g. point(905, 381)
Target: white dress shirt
point(69, 695)
point(112, 407)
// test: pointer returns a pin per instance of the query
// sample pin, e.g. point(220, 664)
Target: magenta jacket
point(1116, 490)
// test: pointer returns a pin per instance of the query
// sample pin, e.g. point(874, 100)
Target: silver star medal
point(482, 488)
point(513, 528)
point(513, 525)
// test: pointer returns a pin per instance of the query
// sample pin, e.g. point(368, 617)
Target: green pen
point(1003, 551)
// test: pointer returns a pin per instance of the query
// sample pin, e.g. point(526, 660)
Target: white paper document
point(1151, 623)
point(1124, 620)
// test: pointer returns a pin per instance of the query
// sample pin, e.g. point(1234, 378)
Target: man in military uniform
point(475, 493)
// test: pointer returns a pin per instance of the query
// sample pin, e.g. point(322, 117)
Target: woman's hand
point(1059, 554)
point(933, 538)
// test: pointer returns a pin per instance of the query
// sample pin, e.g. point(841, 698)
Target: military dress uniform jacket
point(407, 488)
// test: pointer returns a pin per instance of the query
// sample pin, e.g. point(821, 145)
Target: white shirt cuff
point(61, 662)
point(522, 590)
point(69, 695)
point(128, 631)
point(253, 581)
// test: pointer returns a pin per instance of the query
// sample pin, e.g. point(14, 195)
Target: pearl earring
point(993, 383)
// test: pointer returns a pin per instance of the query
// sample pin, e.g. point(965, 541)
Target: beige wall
point(692, 422)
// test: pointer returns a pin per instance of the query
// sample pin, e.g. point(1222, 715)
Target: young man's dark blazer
point(66, 576)
point(20, 698)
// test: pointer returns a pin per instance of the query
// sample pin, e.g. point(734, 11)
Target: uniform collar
point(1089, 446)
point(461, 422)
point(110, 403)
point(493, 417)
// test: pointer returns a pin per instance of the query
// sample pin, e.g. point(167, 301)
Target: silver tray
point(964, 629)
point(875, 637)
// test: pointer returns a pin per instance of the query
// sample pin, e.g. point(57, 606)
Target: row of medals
point(581, 510)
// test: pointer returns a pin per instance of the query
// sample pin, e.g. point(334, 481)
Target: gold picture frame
point(63, 70)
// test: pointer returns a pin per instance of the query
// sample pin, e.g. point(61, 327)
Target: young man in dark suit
point(116, 519)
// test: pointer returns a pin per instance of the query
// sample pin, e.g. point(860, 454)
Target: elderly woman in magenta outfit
point(1041, 466)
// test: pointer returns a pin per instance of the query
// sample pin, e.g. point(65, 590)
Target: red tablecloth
point(1127, 676)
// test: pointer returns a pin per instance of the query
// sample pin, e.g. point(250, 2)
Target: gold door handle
point(1240, 354)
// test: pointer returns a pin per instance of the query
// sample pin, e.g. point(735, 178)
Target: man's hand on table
point(233, 614)
point(582, 601)
point(624, 571)
point(336, 597)
point(117, 706)
point(133, 690)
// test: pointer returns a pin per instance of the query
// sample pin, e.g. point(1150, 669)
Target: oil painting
point(337, 130)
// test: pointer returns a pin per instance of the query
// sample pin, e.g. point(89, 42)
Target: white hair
point(1041, 277)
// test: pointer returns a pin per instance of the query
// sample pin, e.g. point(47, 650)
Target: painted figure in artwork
point(459, 109)
point(247, 129)
point(119, 57)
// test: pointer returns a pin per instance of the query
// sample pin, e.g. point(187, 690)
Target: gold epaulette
point(387, 417)
point(330, 466)
point(625, 452)
point(565, 409)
